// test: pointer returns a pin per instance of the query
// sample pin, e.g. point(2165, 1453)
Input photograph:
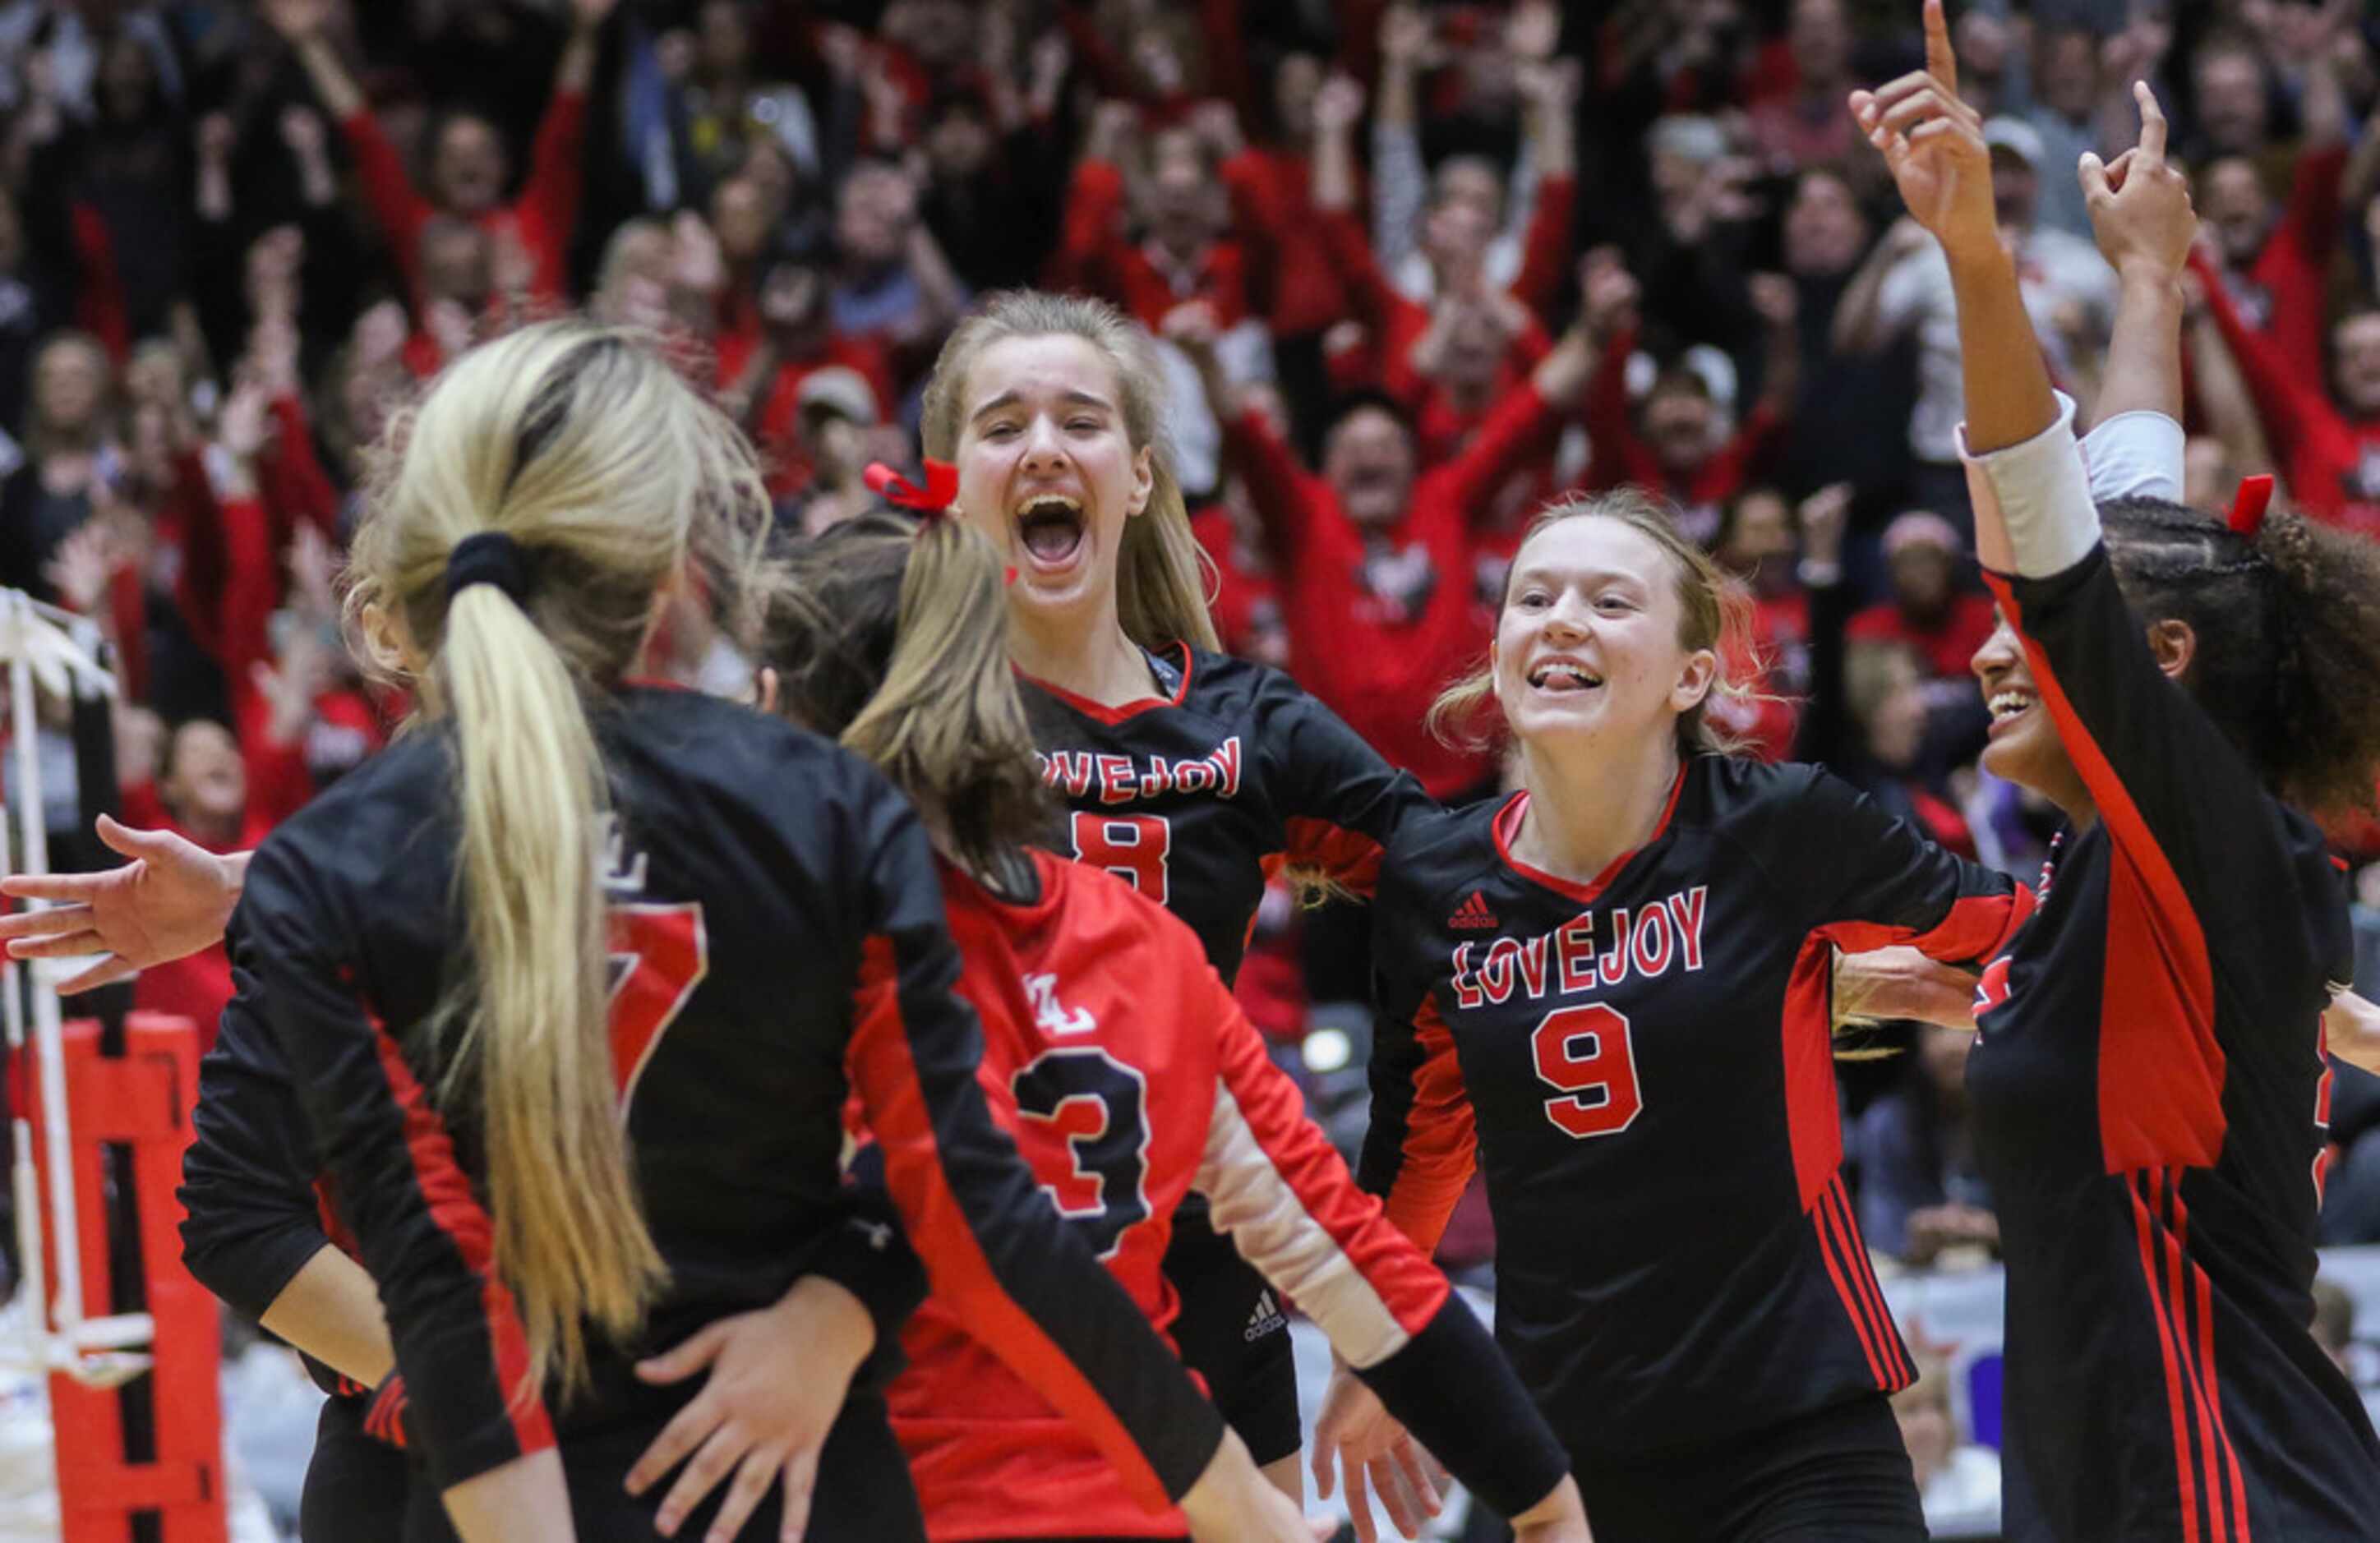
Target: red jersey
point(776, 419)
point(1128, 1077)
point(2280, 293)
point(1945, 644)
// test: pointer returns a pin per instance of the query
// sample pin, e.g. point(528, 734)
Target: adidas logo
point(1472, 914)
point(1267, 1319)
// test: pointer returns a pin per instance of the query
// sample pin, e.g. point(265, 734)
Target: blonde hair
point(894, 639)
point(615, 479)
point(1161, 574)
point(1713, 614)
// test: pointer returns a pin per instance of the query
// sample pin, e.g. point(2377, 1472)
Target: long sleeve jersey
point(2149, 1095)
point(1130, 1078)
point(778, 943)
point(1643, 1067)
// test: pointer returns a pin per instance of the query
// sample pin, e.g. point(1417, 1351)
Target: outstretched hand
point(1933, 145)
point(2139, 206)
point(171, 899)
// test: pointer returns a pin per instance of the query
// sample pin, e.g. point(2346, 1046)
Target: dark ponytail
point(2288, 623)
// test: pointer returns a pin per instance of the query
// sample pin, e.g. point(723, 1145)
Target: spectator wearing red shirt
point(1374, 562)
point(2327, 446)
point(760, 377)
point(2274, 259)
point(1674, 444)
point(1810, 126)
point(1181, 253)
point(1927, 611)
point(1449, 363)
point(467, 165)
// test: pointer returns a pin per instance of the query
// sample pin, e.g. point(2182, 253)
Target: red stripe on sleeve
point(447, 1193)
point(2157, 1108)
point(1862, 1274)
point(2202, 1368)
point(883, 1071)
point(1441, 1137)
point(1830, 1251)
point(1291, 1153)
point(1814, 1121)
point(1350, 857)
point(2175, 1396)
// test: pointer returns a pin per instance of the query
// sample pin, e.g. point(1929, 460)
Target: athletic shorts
point(1837, 1476)
point(1233, 1332)
point(355, 1487)
point(863, 1494)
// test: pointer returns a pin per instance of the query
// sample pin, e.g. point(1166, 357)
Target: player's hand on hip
point(1560, 1517)
point(1232, 1501)
point(777, 1380)
point(1357, 1433)
point(173, 899)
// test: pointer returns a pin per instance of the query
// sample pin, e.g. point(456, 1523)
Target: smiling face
point(2025, 747)
point(1048, 469)
point(1589, 646)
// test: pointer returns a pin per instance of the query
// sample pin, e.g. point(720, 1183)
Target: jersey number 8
point(1584, 1053)
point(1098, 1107)
point(1132, 846)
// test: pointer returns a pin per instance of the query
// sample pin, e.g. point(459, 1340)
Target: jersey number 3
point(1098, 1106)
point(660, 953)
point(1584, 1053)
point(1132, 846)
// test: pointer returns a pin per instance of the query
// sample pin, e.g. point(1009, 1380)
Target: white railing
point(50, 652)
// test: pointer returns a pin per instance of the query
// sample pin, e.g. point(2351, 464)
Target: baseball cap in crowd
point(838, 388)
point(1922, 527)
point(2016, 137)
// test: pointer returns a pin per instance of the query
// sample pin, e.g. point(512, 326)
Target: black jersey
point(1645, 1066)
point(1197, 796)
point(778, 940)
point(2149, 1091)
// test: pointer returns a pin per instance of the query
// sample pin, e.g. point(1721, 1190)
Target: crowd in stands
point(1415, 267)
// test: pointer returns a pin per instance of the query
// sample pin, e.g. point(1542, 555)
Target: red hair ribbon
point(934, 499)
point(2248, 506)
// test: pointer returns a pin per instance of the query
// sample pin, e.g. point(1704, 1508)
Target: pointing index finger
point(2152, 147)
point(1941, 62)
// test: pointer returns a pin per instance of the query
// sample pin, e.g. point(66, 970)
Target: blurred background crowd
point(235, 234)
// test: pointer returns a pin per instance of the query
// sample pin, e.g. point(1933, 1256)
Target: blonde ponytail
point(569, 1229)
point(602, 481)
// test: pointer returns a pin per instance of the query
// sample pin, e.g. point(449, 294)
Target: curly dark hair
point(2287, 660)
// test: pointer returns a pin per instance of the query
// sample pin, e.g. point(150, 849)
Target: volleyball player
point(1128, 1073)
point(550, 487)
point(1614, 987)
point(2148, 1083)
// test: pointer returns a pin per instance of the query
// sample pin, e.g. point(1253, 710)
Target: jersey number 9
point(1583, 1051)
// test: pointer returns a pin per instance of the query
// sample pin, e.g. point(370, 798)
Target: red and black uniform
point(1644, 1064)
point(2150, 1098)
point(257, 1205)
point(1194, 796)
point(1131, 1079)
point(739, 844)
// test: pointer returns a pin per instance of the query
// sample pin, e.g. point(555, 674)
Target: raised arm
point(1933, 144)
